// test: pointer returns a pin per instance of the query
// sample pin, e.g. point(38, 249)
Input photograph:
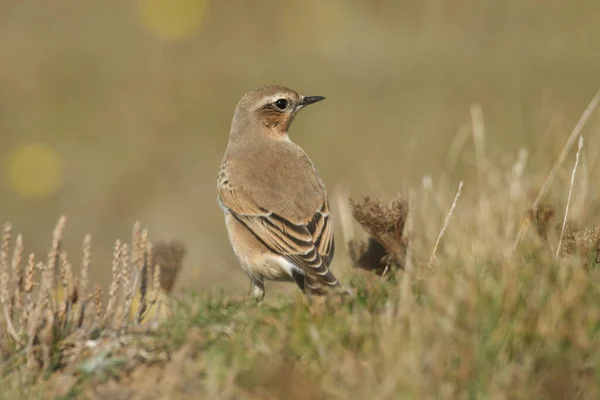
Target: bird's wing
point(321, 230)
point(308, 245)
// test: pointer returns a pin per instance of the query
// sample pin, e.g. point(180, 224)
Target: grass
point(51, 320)
point(478, 320)
point(461, 294)
point(462, 332)
point(484, 298)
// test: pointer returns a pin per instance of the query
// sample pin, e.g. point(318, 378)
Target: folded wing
point(307, 244)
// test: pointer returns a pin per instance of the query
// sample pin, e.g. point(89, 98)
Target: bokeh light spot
point(34, 170)
point(172, 19)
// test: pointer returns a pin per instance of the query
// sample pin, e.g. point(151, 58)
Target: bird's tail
point(321, 284)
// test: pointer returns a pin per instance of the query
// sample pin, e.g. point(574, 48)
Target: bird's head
point(272, 108)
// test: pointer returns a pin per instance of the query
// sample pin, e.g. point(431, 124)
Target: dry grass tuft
point(114, 285)
point(65, 315)
point(564, 225)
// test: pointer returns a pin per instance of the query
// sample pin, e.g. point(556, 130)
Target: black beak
point(306, 100)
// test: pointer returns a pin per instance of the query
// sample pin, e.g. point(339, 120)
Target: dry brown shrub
point(541, 218)
point(579, 240)
point(170, 256)
point(585, 243)
point(386, 244)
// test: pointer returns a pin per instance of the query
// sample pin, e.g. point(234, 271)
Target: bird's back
point(284, 180)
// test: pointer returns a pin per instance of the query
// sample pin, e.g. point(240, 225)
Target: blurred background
point(115, 111)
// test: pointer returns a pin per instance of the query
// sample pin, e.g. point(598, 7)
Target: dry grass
point(50, 317)
point(478, 307)
point(478, 320)
point(472, 317)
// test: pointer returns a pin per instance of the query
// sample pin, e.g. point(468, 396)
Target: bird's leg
point(251, 286)
point(258, 289)
point(299, 279)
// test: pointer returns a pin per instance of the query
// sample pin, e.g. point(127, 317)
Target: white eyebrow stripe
point(275, 97)
point(271, 99)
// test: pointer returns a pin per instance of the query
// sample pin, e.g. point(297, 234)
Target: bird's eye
point(282, 104)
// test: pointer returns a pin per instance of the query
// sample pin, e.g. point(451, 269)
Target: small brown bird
point(276, 209)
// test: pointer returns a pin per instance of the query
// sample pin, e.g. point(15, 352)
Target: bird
point(277, 214)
